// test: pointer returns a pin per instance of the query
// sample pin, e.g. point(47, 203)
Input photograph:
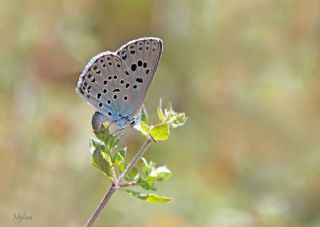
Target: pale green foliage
point(107, 157)
point(168, 118)
point(151, 198)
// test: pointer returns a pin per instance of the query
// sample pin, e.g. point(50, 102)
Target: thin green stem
point(116, 184)
point(134, 160)
point(114, 175)
point(128, 184)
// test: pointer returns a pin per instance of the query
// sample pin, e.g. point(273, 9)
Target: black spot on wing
point(133, 67)
point(139, 80)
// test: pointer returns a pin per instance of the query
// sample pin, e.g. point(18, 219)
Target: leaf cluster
point(110, 159)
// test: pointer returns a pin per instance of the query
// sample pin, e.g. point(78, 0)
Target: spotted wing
point(142, 57)
point(104, 84)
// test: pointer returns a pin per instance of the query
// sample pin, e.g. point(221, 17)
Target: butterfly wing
point(104, 84)
point(141, 57)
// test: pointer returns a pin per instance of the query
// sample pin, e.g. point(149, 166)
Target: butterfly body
point(116, 83)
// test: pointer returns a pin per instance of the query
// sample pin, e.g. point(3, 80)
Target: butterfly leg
point(117, 131)
point(121, 135)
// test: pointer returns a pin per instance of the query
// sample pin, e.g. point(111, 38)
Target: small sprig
point(110, 159)
point(168, 119)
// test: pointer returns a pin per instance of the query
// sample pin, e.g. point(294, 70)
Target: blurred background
point(247, 73)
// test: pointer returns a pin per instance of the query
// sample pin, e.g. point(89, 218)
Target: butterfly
point(116, 83)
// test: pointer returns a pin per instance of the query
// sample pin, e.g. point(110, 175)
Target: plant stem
point(128, 184)
point(114, 176)
point(100, 207)
point(134, 160)
point(117, 182)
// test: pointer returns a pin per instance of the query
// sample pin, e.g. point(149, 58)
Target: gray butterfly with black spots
point(116, 83)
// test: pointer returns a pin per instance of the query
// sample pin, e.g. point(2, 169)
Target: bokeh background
point(247, 73)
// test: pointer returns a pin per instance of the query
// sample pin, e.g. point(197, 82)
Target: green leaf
point(99, 160)
point(154, 198)
point(112, 143)
point(133, 175)
point(148, 167)
point(104, 135)
point(178, 120)
point(145, 166)
point(143, 116)
point(148, 182)
point(151, 198)
point(122, 167)
point(160, 132)
point(163, 173)
point(95, 144)
point(168, 111)
point(160, 113)
point(120, 155)
point(123, 152)
point(143, 128)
